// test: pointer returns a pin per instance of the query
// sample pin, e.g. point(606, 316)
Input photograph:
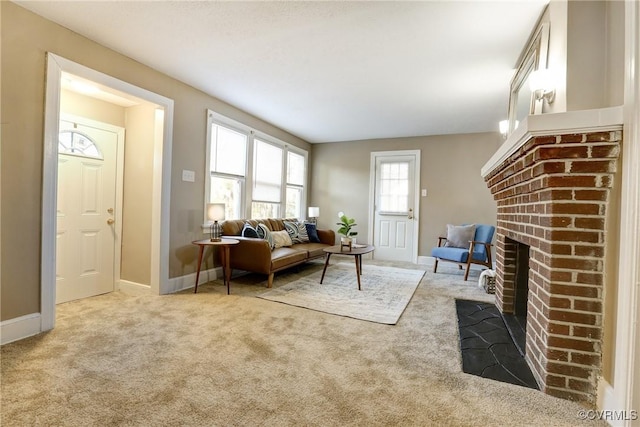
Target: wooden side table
point(225, 245)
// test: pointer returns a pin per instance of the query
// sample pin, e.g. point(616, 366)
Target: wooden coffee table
point(355, 252)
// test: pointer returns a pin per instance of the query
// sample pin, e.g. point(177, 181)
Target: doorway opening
point(58, 69)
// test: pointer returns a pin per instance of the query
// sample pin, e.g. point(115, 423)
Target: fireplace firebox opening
point(516, 318)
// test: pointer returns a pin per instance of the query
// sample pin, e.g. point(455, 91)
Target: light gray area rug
point(385, 293)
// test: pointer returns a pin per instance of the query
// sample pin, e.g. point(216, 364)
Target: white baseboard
point(425, 260)
point(133, 288)
point(181, 283)
point(20, 327)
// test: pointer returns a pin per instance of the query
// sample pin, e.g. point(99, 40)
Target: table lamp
point(215, 213)
point(314, 213)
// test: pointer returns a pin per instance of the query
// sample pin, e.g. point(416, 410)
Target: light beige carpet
point(209, 359)
point(385, 292)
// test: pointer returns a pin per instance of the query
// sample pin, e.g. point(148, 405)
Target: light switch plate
point(188, 176)
point(424, 192)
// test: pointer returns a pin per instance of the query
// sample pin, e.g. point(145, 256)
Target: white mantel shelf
point(598, 120)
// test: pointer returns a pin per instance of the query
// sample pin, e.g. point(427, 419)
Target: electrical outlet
point(188, 176)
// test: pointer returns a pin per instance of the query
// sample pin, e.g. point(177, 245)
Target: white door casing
point(161, 202)
point(88, 203)
point(394, 204)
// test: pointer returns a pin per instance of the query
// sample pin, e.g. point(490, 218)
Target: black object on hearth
point(487, 348)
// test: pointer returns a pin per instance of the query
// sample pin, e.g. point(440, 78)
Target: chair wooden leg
point(466, 273)
point(435, 266)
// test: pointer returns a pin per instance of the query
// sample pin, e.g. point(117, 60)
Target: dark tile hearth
point(487, 347)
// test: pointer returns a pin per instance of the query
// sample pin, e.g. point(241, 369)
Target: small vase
point(345, 242)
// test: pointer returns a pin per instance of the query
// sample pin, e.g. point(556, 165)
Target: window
point(394, 187)
point(77, 144)
point(228, 162)
point(253, 174)
point(267, 180)
point(295, 185)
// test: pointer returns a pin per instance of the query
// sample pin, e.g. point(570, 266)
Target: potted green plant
point(346, 224)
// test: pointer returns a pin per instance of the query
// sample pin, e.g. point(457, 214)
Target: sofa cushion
point(281, 239)
point(459, 236)
point(265, 234)
point(313, 249)
point(232, 227)
point(451, 254)
point(249, 231)
point(297, 231)
point(312, 232)
point(283, 257)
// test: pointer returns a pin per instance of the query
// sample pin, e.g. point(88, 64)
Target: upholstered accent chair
point(465, 245)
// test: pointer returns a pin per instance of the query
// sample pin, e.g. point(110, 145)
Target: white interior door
point(85, 244)
point(394, 211)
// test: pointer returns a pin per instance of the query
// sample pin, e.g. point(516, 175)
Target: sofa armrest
point(328, 237)
point(251, 254)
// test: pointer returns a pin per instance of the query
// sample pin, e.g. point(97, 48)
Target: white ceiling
point(326, 71)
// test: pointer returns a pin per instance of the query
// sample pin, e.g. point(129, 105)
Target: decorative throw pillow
point(459, 236)
point(297, 231)
point(249, 231)
point(265, 234)
point(281, 239)
point(312, 232)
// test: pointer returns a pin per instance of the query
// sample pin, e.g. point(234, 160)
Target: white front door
point(86, 235)
point(394, 210)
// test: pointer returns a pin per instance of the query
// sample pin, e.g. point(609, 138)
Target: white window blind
point(267, 178)
point(229, 150)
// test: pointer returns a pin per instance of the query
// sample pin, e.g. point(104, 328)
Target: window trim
point(252, 134)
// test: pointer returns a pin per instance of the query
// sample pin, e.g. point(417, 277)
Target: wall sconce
point(314, 213)
point(503, 125)
point(541, 84)
point(215, 213)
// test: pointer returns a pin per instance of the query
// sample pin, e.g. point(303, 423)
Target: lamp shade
point(314, 212)
point(215, 211)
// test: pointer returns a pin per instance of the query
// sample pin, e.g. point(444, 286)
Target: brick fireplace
point(555, 206)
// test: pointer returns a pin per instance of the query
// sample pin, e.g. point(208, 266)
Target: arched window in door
point(78, 144)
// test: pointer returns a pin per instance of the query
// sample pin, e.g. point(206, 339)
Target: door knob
point(110, 210)
point(110, 221)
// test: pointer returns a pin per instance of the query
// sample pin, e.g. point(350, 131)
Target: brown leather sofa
point(255, 255)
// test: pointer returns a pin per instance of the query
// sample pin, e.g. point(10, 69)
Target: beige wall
point(91, 108)
point(136, 203)
point(586, 54)
point(450, 171)
point(614, 74)
point(26, 38)
point(586, 41)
